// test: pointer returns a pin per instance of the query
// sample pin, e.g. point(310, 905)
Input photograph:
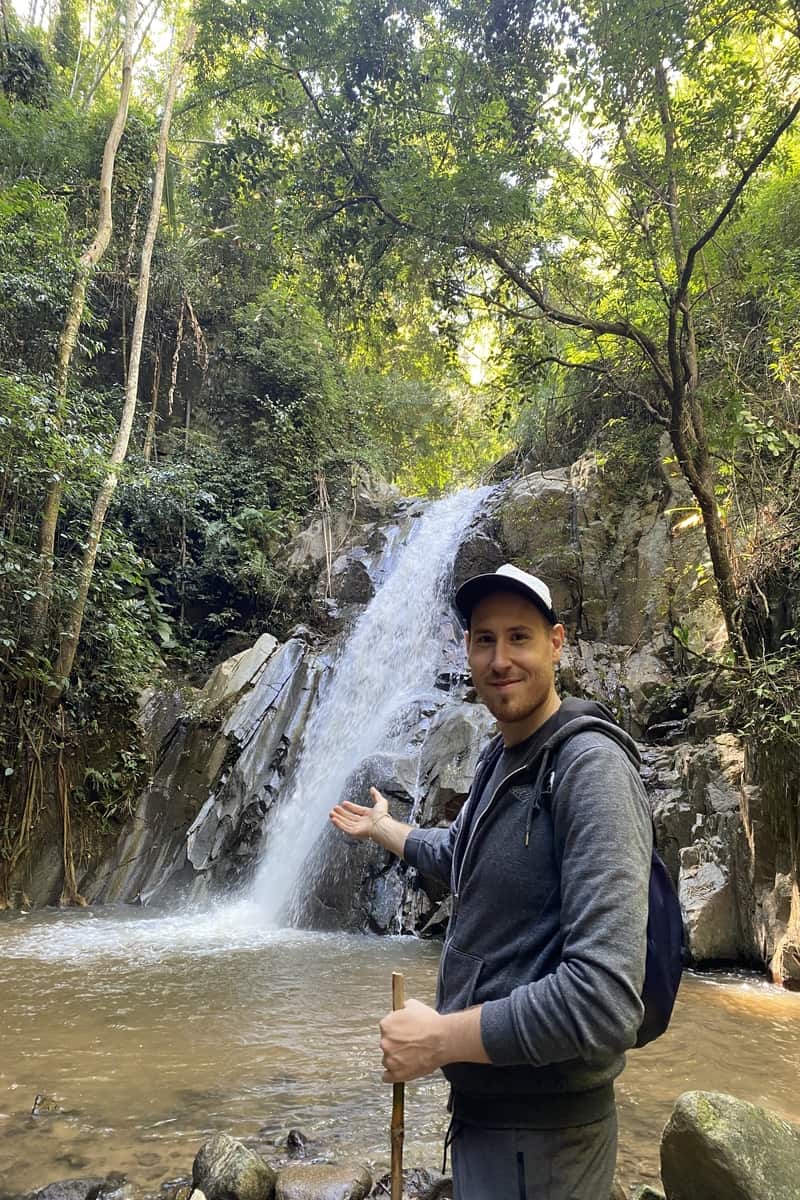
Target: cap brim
point(475, 589)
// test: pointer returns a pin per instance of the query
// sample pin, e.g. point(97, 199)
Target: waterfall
point(390, 656)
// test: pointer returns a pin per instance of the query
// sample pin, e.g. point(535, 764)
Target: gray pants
point(535, 1164)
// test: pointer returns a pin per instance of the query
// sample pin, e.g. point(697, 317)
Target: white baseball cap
point(505, 579)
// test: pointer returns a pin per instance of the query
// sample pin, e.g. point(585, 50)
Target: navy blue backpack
point(666, 943)
point(666, 952)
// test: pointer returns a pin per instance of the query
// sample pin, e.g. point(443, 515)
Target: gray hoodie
point(548, 931)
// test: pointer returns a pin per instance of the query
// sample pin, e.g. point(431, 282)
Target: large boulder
point(356, 885)
point(455, 739)
point(707, 894)
point(350, 581)
point(225, 1169)
point(715, 1147)
point(537, 531)
point(323, 1181)
point(230, 677)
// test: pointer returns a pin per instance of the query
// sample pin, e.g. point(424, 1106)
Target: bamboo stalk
point(398, 1102)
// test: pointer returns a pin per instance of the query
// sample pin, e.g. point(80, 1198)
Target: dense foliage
point(403, 238)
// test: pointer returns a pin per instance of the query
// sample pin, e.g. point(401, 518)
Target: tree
point(568, 168)
point(69, 333)
point(69, 639)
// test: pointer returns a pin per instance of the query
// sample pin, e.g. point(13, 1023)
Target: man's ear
point(557, 635)
point(466, 640)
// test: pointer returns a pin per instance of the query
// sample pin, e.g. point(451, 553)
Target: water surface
point(154, 1031)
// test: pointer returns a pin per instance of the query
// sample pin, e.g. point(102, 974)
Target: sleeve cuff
point(498, 1034)
point(412, 847)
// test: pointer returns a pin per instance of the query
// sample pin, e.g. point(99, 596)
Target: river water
point(151, 1031)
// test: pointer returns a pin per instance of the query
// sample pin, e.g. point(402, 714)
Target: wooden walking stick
point(398, 1102)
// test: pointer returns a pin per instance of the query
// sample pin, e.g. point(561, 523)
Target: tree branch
point(749, 171)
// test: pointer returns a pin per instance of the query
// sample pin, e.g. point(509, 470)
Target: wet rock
point(323, 1181)
point(418, 1184)
point(177, 1189)
point(296, 1143)
point(357, 885)
point(45, 1106)
point(224, 1169)
point(784, 965)
point(645, 1192)
point(716, 1147)
point(65, 1189)
point(455, 738)
point(113, 1187)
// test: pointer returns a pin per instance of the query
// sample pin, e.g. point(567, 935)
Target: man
point(542, 968)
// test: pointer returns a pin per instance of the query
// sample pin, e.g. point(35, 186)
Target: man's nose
point(500, 657)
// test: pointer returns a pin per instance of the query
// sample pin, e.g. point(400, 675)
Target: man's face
point(512, 651)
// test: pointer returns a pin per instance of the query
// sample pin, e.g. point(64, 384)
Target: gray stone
point(715, 1147)
point(449, 754)
point(478, 554)
point(418, 1184)
point(355, 883)
point(645, 1192)
point(66, 1189)
point(350, 581)
point(229, 678)
point(708, 903)
point(375, 498)
point(536, 517)
point(323, 1181)
point(224, 1169)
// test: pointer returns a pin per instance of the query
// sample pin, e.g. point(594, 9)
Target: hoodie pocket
point(458, 978)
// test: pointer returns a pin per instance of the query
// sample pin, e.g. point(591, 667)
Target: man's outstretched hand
point(359, 820)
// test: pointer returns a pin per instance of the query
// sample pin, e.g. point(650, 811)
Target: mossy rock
point(716, 1147)
point(224, 1169)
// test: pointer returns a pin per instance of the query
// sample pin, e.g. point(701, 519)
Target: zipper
point(475, 827)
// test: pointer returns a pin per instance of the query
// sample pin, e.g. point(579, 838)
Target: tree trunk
point(150, 431)
point(72, 632)
point(4, 16)
point(69, 333)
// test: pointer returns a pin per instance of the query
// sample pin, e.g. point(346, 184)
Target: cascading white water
point(390, 656)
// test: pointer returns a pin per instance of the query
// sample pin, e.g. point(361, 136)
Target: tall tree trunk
point(72, 632)
point(4, 17)
point(69, 333)
point(150, 431)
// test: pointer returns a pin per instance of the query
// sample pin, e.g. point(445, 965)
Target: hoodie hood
point(579, 716)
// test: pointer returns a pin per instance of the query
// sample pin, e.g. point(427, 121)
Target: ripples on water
point(154, 1030)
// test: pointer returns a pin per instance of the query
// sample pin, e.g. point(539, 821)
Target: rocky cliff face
point(624, 569)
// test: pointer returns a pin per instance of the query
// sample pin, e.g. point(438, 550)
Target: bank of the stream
point(152, 1031)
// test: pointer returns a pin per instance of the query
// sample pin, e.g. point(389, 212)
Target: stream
point(153, 1030)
